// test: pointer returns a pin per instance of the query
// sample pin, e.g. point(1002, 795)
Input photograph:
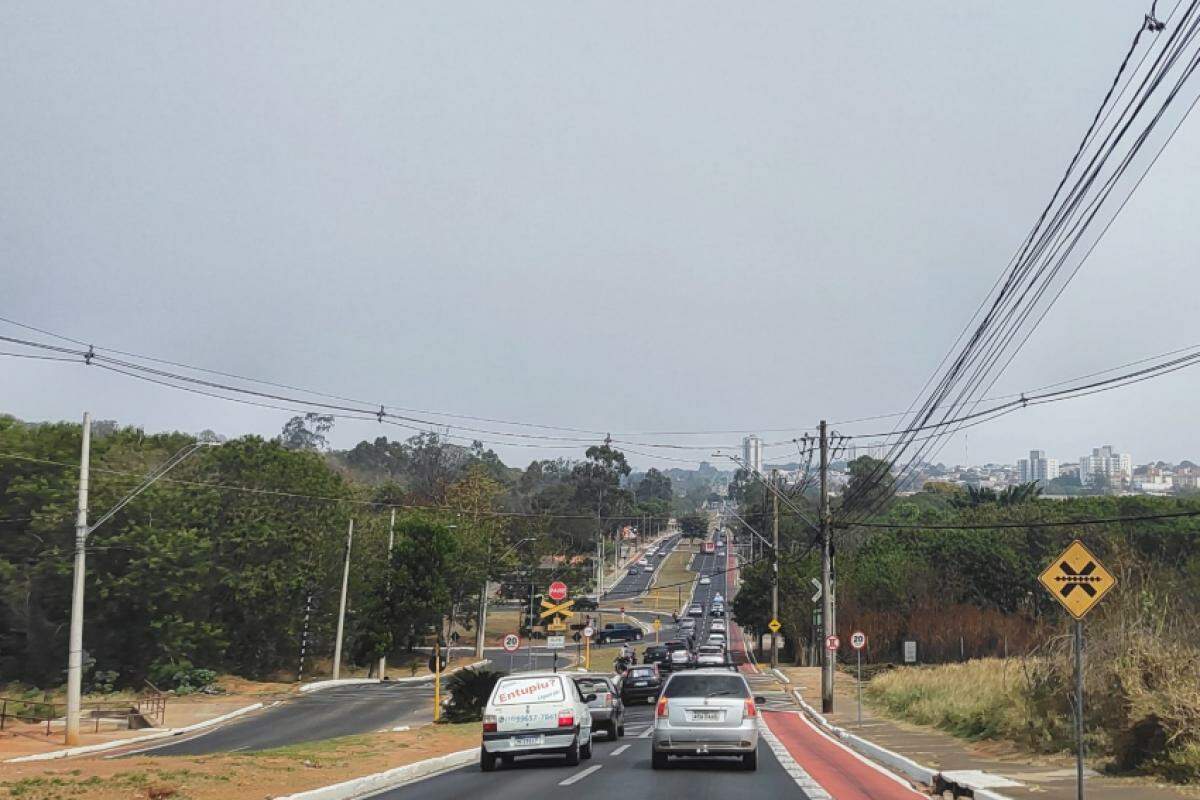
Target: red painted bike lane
point(844, 774)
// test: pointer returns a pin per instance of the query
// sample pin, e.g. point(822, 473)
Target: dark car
point(586, 603)
point(672, 662)
point(641, 684)
point(619, 632)
point(655, 654)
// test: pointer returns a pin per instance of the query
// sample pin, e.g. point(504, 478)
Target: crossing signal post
point(1078, 581)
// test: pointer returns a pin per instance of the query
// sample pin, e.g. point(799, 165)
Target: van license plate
point(527, 741)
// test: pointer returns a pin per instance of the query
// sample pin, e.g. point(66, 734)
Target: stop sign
point(558, 591)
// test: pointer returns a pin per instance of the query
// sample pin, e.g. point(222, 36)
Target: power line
point(1053, 524)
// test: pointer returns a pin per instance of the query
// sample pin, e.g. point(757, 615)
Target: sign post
point(858, 640)
point(657, 627)
point(510, 643)
point(587, 647)
point(1077, 580)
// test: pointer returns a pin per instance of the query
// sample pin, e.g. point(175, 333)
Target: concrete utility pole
point(827, 619)
point(337, 647)
point(775, 566)
point(75, 647)
point(391, 544)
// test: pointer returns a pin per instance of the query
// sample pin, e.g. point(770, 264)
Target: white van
point(535, 714)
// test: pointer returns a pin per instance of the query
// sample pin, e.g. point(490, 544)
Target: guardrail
point(150, 706)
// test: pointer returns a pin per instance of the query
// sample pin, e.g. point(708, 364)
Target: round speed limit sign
point(858, 640)
point(511, 642)
point(588, 631)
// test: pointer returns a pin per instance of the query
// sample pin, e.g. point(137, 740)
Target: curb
point(317, 686)
point(892, 760)
point(390, 779)
point(165, 733)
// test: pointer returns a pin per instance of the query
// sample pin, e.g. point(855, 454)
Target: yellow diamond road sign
point(1077, 580)
point(774, 626)
point(657, 623)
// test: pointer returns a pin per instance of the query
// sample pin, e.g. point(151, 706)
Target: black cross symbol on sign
point(1082, 579)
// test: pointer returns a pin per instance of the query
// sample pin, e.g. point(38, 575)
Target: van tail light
point(566, 719)
point(489, 723)
point(751, 710)
point(661, 711)
point(608, 700)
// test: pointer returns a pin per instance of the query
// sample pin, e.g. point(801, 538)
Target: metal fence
point(150, 708)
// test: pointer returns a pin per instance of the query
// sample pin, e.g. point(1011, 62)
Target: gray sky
point(615, 216)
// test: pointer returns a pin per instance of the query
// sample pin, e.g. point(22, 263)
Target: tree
point(307, 432)
point(694, 526)
point(871, 482)
point(654, 486)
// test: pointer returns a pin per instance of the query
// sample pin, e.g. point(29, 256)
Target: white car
point(717, 625)
point(642, 562)
point(536, 714)
point(705, 581)
point(710, 655)
point(716, 637)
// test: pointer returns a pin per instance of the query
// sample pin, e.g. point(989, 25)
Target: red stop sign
point(558, 591)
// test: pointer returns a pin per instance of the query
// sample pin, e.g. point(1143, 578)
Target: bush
point(181, 677)
point(469, 692)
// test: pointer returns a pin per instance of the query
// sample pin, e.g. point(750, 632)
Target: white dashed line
point(620, 750)
point(578, 776)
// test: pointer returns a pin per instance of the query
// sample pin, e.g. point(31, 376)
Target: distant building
point(1117, 467)
point(752, 453)
point(1037, 467)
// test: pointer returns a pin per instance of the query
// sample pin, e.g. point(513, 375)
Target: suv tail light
point(661, 711)
point(751, 710)
point(566, 719)
point(608, 700)
point(489, 722)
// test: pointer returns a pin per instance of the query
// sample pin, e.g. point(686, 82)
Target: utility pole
point(827, 619)
point(75, 648)
point(775, 566)
point(391, 544)
point(337, 647)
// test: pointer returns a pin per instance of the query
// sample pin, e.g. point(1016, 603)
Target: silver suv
point(706, 712)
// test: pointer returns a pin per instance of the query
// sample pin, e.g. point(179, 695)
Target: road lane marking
point(620, 750)
point(578, 776)
point(811, 789)
point(646, 733)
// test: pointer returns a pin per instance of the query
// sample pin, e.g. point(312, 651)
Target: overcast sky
point(611, 216)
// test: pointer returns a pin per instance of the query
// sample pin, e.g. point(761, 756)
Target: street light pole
point(391, 544)
point(82, 531)
point(775, 569)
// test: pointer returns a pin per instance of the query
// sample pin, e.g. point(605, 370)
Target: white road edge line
point(646, 733)
point(578, 776)
point(877, 767)
point(620, 750)
point(811, 789)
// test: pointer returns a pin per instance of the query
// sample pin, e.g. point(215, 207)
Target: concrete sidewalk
point(1043, 777)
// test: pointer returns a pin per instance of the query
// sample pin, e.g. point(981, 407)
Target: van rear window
point(513, 691)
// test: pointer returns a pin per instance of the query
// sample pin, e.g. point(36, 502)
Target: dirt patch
point(265, 774)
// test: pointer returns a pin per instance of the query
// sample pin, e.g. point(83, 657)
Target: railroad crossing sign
point(511, 642)
point(1077, 579)
point(557, 610)
point(558, 591)
point(774, 625)
point(556, 625)
point(832, 643)
point(858, 640)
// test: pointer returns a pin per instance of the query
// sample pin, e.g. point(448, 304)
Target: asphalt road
point(631, 586)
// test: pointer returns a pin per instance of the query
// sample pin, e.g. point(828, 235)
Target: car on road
point(687, 623)
point(587, 603)
point(655, 654)
point(717, 625)
point(706, 712)
point(634, 571)
point(619, 632)
point(642, 562)
point(536, 713)
point(705, 581)
point(695, 610)
point(641, 684)
point(647, 568)
point(681, 657)
point(711, 655)
point(716, 637)
point(607, 709)
point(717, 611)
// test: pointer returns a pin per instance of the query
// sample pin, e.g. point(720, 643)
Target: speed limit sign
point(832, 643)
point(588, 631)
point(511, 642)
point(858, 640)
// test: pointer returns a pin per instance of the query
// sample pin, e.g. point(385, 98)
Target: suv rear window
point(703, 685)
point(513, 691)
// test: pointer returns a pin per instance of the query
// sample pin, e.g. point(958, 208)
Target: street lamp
point(82, 532)
point(481, 621)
